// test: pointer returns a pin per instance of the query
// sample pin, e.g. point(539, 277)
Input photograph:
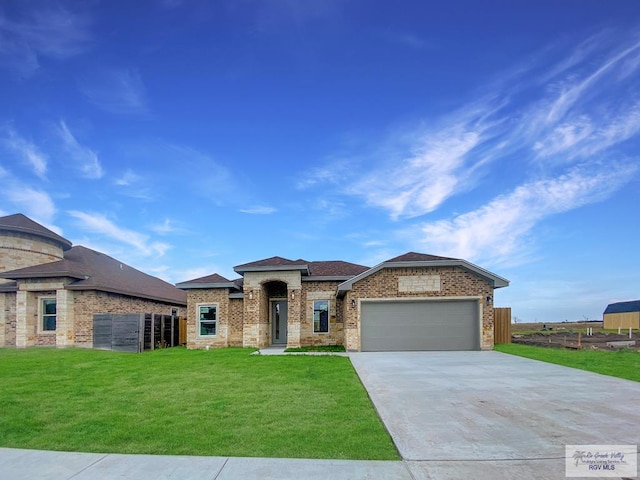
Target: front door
point(279, 322)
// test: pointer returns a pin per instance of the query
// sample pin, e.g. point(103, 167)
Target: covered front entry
point(420, 325)
point(278, 318)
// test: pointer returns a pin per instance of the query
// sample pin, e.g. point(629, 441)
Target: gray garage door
point(420, 325)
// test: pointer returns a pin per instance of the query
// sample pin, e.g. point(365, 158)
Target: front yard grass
point(317, 348)
point(188, 402)
point(620, 363)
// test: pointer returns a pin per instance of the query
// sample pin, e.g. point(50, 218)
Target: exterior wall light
point(250, 294)
point(353, 303)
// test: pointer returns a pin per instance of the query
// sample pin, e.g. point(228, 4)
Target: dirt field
point(571, 335)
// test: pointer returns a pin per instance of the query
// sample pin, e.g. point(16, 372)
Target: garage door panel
point(420, 325)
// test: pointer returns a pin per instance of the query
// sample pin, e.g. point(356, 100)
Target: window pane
point(321, 316)
point(207, 313)
point(49, 306)
point(207, 327)
point(49, 323)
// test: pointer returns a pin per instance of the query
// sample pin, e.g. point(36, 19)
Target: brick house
point(50, 289)
point(411, 302)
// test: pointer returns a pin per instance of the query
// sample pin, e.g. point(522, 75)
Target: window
point(321, 316)
point(48, 314)
point(207, 320)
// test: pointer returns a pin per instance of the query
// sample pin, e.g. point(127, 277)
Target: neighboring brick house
point(411, 302)
point(50, 290)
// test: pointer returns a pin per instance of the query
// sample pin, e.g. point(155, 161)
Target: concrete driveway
point(493, 415)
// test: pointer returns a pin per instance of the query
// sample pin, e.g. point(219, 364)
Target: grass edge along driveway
point(223, 402)
point(617, 363)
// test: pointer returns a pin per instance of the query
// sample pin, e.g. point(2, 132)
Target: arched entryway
point(278, 307)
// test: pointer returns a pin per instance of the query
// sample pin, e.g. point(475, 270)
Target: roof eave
point(58, 274)
point(66, 244)
point(8, 287)
point(327, 278)
point(498, 282)
point(207, 285)
point(126, 293)
point(273, 268)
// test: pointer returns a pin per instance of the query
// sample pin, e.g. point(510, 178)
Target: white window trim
point(313, 311)
point(207, 304)
point(41, 329)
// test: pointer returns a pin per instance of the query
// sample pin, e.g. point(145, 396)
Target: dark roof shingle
point(23, 224)
point(272, 262)
point(213, 278)
point(96, 271)
point(335, 268)
point(418, 257)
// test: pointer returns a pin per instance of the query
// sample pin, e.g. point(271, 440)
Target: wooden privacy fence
point(502, 325)
point(137, 332)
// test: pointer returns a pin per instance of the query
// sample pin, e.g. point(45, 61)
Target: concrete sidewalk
point(16, 464)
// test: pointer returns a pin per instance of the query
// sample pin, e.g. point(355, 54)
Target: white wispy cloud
point(439, 166)
point(565, 125)
point(27, 151)
point(334, 172)
point(499, 229)
point(166, 227)
point(128, 178)
point(34, 203)
point(41, 29)
point(81, 158)
point(259, 210)
point(101, 225)
point(115, 90)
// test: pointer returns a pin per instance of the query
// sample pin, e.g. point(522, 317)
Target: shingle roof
point(213, 278)
point(272, 262)
point(335, 268)
point(623, 307)
point(417, 257)
point(96, 271)
point(424, 260)
point(209, 281)
point(22, 224)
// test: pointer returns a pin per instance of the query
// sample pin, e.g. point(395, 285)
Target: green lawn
point(619, 363)
point(318, 348)
point(189, 402)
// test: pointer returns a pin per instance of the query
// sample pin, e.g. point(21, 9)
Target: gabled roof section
point(418, 257)
point(623, 307)
point(273, 264)
point(333, 270)
point(22, 224)
point(210, 281)
point(412, 259)
point(96, 271)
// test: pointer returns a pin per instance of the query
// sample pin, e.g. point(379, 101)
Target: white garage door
point(420, 325)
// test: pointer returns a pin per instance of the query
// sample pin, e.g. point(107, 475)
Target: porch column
point(251, 335)
point(64, 318)
point(3, 318)
point(293, 316)
point(25, 329)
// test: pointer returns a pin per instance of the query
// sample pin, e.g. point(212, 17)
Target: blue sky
point(186, 137)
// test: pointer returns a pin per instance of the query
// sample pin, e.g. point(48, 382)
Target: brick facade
point(8, 319)
point(391, 283)
point(19, 250)
point(86, 303)
point(321, 291)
